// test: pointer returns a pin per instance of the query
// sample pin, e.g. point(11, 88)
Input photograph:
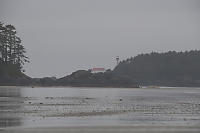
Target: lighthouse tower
point(117, 59)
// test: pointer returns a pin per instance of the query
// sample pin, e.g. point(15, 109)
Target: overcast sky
point(62, 36)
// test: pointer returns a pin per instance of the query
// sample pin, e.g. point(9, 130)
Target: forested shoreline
point(154, 69)
point(162, 69)
point(170, 65)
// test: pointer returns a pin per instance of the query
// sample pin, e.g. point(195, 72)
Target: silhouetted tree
point(11, 49)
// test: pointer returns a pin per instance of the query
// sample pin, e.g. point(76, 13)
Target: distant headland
point(160, 69)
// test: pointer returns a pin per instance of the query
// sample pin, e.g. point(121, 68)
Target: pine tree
point(11, 49)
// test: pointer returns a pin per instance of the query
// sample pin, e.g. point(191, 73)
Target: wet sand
point(99, 110)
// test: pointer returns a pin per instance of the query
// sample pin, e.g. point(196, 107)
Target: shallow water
point(38, 107)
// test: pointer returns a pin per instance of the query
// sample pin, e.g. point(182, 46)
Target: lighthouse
point(117, 59)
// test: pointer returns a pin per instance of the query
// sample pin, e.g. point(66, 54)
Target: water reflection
point(10, 99)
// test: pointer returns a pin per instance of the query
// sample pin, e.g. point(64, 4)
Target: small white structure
point(117, 59)
point(98, 70)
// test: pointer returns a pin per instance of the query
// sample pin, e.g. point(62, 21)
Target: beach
point(75, 109)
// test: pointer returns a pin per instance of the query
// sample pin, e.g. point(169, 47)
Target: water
point(42, 107)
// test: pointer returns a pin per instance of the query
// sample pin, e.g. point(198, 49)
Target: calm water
point(30, 107)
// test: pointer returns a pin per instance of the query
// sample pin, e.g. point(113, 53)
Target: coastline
point(109, 87)
point(104, 129)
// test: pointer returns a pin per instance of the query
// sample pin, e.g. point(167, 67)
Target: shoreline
point(103, 129)
point(90, 87)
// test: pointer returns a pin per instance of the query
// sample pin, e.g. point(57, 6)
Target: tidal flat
point(56, 109)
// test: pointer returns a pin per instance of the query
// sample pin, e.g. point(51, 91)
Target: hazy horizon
point(63, 36)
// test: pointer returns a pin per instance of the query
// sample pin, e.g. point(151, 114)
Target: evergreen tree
point(11, 49)
point(2, 41)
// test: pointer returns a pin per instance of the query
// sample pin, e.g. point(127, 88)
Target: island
point(152, 69)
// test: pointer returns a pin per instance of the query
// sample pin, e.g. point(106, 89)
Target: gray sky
point(62, 36)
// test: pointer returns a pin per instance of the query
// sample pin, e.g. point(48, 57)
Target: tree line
point(155, 69)
point(170, 67)
point(11, 49)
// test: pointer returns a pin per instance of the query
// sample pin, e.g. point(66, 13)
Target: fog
point(62, 36)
